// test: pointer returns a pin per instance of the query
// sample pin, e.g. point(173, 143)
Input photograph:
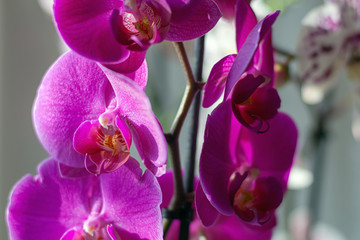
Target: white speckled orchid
point(329, 42)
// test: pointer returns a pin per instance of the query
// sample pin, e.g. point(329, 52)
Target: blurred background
point(29, 44)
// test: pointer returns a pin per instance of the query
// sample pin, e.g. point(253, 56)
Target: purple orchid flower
point(85, 115)
point(108, 31)
point(229, 228)
point(243, 172)
point(248, 76)
point(120, 205)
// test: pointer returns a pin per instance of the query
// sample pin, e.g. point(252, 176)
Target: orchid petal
point(182, 9)
point(140, 76)
point(86, 137)
point(227, 8)
point(85, 27)
point(269, 156)
point(166, 182)
point(71, 234)
point(245, 87)
point(216, 160)
point(232, 228)
point(204, 16)
point(132, 200)
point(206, 212)
point(147, 133)
point(248, 49)
point(135, 61)
point(72, 91)
point(42, 206)
point(71, 172)
point(270, 193)
point(245, 22)
point(215, 84)
point(253, 105)
point(264, 59)
point(116, 233)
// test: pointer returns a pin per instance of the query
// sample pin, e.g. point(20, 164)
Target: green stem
point(192, 87)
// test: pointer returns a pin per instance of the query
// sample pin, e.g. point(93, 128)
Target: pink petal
point(245, 21)
point(215, 84)
point(85, 137)
point(166, 182)
point(131, 64)
point(182, 9)
point(206, 212)
point(204, 16)
point(72, 91)
point(217, 160)
point(46, 206)
point(269, 156)
point(264, 59)
point(248, 50)
point(227, 8)
point(85, 27)
point(232, 228)
point(132, 200)
point(134, 106)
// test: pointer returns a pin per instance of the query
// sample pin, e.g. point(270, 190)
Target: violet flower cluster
point(91, 106)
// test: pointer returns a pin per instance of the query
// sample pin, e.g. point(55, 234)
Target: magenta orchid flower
point(229, 228)
point(108, 31)
point(120, 205)
point(244, 173)
point(88, 116)
point(247, 77)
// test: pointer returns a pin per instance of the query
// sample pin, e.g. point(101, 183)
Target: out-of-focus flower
point(85, 115)
point(248, 76)
point(229, 228)
point(329, 42)
point(120, 205)
point(108, 31)
point(243, 172)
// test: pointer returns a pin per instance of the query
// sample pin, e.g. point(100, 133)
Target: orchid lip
point(105, 143)
point(256, 197)
point(139, 25)
point(94, 226)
